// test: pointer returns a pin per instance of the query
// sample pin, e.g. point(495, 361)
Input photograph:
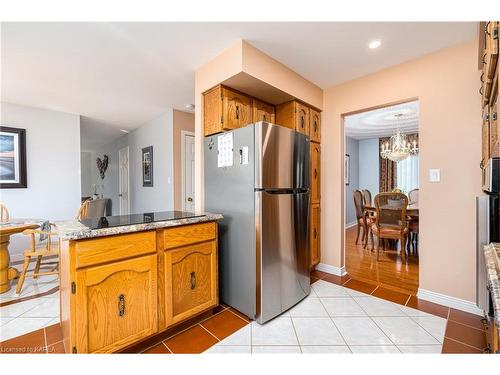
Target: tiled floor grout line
point(295, 331)
point(237, 315)
point(407, 300)
point(464, 343)
point(167, 347)
point(45, 339)
point(331, 319)
point(373, 291)
point(218, 339)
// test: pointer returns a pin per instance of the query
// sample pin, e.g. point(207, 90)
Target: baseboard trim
point(337, 271)
point(350, 225)
point(449, 301)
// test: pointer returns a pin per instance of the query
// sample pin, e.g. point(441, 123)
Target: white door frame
point(120, 180)
point(184, 133)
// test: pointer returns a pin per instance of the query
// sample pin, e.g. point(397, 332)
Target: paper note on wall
point(225, 150)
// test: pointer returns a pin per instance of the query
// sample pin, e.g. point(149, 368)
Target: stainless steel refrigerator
point(258, 178)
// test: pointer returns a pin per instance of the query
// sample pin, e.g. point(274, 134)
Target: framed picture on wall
point(347, 169)
point(147, 166)
point(12, 158)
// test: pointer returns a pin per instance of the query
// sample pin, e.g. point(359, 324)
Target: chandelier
point(398, 147)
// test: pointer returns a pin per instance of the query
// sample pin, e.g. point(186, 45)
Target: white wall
point(53, 165)
point(369, 165)
point(159, 134)
point(351, 148)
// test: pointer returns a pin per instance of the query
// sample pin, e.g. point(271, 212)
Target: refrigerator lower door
point(282, 251)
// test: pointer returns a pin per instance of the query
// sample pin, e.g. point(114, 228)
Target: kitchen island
point(125, 278)
point(492, 256)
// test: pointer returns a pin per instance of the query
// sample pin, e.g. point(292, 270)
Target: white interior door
point(123, 178)
point(187, 171)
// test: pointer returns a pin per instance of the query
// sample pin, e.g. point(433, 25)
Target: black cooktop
point(133, 219)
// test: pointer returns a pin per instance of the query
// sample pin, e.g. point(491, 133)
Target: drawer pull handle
point(301, 121)
point(237, 112)
point(193, 280)
point(264, 118)
point(315, 233)
point(315, 173)
point(315, 126)
point(121, 305)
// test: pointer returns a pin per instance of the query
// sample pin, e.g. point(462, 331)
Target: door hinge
point(222, 119)
point(73, 350)
point(73, 288)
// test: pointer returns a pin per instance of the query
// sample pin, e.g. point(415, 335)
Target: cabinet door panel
point(315, 235)
point(262, 111)
point(190, 281)
point(315, 125)
point(302, 118)
point(485, 136)
point(493, 120)
point(116, 304)
point(212, 111)
point(237, 110)
point(315, 173)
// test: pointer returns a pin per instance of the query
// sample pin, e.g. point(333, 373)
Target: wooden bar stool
point(44, 248)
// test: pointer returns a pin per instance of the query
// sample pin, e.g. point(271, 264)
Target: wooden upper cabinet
point(225, 109)
point(236, 109)
point(490, 59)
point(314, 235)
point(116, 304)
point(262, 111)
point(294, 115)
point(315, 173)
point(302, 118)
point(485, 136)
point(493, 128)
point(190, 280)
point(315, 126)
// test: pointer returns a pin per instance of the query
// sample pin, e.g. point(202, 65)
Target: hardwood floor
point(389, 271)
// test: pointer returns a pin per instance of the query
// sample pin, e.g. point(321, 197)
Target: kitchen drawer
point(190, 281)
point(116, 304)
point(108, 249)
point(189, 234)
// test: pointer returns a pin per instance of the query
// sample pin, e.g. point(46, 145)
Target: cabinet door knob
point(121, 305)
point(193, 280)
point(237, 112)
point(190, 199)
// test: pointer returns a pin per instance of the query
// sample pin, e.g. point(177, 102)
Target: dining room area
point(382, 196)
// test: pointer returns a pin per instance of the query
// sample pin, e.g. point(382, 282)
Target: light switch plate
point(434, 175)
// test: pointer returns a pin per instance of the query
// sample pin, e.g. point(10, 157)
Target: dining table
point(411, 210)
point(13, 226)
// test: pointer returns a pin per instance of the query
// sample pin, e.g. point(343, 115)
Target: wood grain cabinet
point(116, 304)
point(262, 111)
point(315, 235)
point(190, 271)
point(485, 134)
point(293, 115)
point(315, 173)
point(315, 126)
point(490, 58)
point(225, 109)
point(493, 126)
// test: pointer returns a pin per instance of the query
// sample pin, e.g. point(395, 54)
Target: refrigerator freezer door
point(281, 157)
point(282, 252)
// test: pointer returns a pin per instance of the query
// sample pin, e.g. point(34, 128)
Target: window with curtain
point(407, 174)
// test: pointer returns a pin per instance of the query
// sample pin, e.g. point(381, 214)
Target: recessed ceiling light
point(190, 107)
point(374, 44)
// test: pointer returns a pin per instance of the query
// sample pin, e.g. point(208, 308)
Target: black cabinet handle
point(315, 173)
point(302, 121)
point(315, 126)
point(121, 305)
point(237, 112)
point(193, 280)
point(315, 233)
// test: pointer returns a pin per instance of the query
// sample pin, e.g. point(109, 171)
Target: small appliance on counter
point(257, 177)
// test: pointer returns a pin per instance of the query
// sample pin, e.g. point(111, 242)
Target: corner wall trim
point(338, 271)
point(449, 301)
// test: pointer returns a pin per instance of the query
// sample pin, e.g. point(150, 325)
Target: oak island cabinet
point(120, 288)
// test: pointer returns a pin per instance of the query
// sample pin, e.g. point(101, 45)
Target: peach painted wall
point(182, 121)
point(446, 84)
point(242, 57)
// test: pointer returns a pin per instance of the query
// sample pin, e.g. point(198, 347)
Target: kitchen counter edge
point(72, 230)
point(493, 278)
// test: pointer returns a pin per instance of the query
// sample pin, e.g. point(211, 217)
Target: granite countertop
point(492, 251)
point(75, 230)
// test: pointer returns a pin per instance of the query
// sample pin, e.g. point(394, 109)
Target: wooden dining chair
point(92, 208)
point(413, 196)
point(390, 221)
point(4, 213)
point(357, 196)
point(367, 195)
point(40, 249)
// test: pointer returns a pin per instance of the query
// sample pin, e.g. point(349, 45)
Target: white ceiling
point(383, 122)
point(126, 74)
